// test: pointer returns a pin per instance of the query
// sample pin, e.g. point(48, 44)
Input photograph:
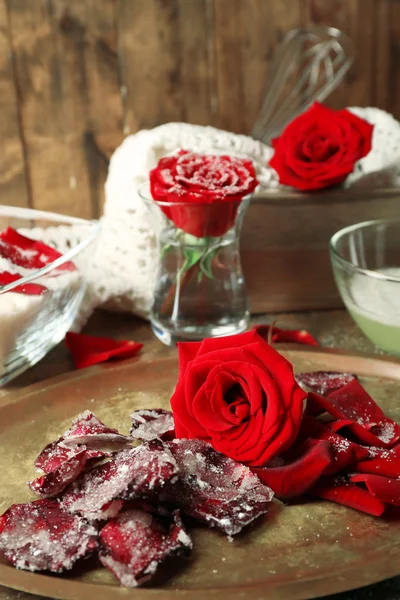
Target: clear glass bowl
point(366, 265)
point(32, 324)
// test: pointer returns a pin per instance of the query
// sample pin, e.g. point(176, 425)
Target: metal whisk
point(308, 66)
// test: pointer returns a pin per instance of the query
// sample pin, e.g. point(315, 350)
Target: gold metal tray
point(296, 552)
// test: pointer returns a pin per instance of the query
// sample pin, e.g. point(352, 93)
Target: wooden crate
point(285, 244)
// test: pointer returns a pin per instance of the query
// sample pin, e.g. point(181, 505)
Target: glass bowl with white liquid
point(366, 265)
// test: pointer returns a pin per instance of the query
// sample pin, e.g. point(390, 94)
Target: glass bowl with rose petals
point(366, 264)
point(41, 289)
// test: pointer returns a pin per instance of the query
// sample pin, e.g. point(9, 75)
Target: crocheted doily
point(123, 267)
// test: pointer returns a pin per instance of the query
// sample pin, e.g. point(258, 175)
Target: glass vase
point(200, 290)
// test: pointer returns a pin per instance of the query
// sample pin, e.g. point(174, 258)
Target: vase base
point(195, 334)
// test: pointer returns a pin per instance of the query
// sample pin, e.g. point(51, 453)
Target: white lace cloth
point(121, 272)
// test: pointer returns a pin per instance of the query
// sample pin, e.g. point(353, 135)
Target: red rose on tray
point(203, 192)
point(238, 394)
point(320, 148)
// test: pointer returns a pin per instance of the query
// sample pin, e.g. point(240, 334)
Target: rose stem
point(168, 304)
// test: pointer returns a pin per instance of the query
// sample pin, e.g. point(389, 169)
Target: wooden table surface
point(331, 328)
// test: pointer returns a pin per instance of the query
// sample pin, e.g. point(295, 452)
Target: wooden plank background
point(76, 76)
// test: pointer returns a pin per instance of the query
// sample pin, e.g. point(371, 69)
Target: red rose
point(207, 190)
point(238, 394)
point(320, 148)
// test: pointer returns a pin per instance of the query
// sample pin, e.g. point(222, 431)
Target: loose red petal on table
point(297, 477)
point(89, 430)
point(344, 452)
point(213, 488)
point(296, 336)
point(29, 289)
point(341, 491)
point(152, 424)
point(27, 253)
point(41, 536)
point(354, 408)
point(385, 489)
point(135, 543)
point(324, 382)
point(381, 461)
point(54, 482)
point(88, 350)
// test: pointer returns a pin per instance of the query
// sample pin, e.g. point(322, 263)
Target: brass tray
point(296, 552)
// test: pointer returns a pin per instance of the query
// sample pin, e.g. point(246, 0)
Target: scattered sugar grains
point(135, 543)
point(41, 536)
point(214, 488)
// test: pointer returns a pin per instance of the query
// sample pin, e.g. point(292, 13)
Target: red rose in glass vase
point(203, 192)
point(320, 148)
point(199, 202)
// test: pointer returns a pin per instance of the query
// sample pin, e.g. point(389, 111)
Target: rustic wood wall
point(78, 75)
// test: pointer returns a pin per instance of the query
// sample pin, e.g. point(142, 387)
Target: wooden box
point(285, 244)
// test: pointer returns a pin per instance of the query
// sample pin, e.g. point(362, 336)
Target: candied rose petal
point(152, 424)
point(53, 482)
point(41, 536)
point(352, 405)
point(296, 336)
point(385, 489)
point(382, 461)
point(344, 451)
point(27, 253)
point(295, 478)
point(214, 488)
point(30, 289)
point(131, 474)
point(89, 430)
point(88, 350)
point(340, 490)
point(135, 543)
point(324, 382)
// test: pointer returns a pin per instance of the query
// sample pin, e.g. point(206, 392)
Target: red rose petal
point(88, 350)
point(385, 489)
point(381, 461)
point(30, 289)
point(152, 424)
point(355, 409)
point(41, 536)
point(339, 490)
point(134, 544)
point(187, 351)
point(27, 253)
point(296, 478)
point(214, 488)
point(344, 451)
point(133, 473)
point(324, 382)
point(89, 430)
point(55, 481)
point(296, 336)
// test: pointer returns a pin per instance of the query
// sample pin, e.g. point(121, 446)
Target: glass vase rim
point(344, 232)
point(147, 197)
